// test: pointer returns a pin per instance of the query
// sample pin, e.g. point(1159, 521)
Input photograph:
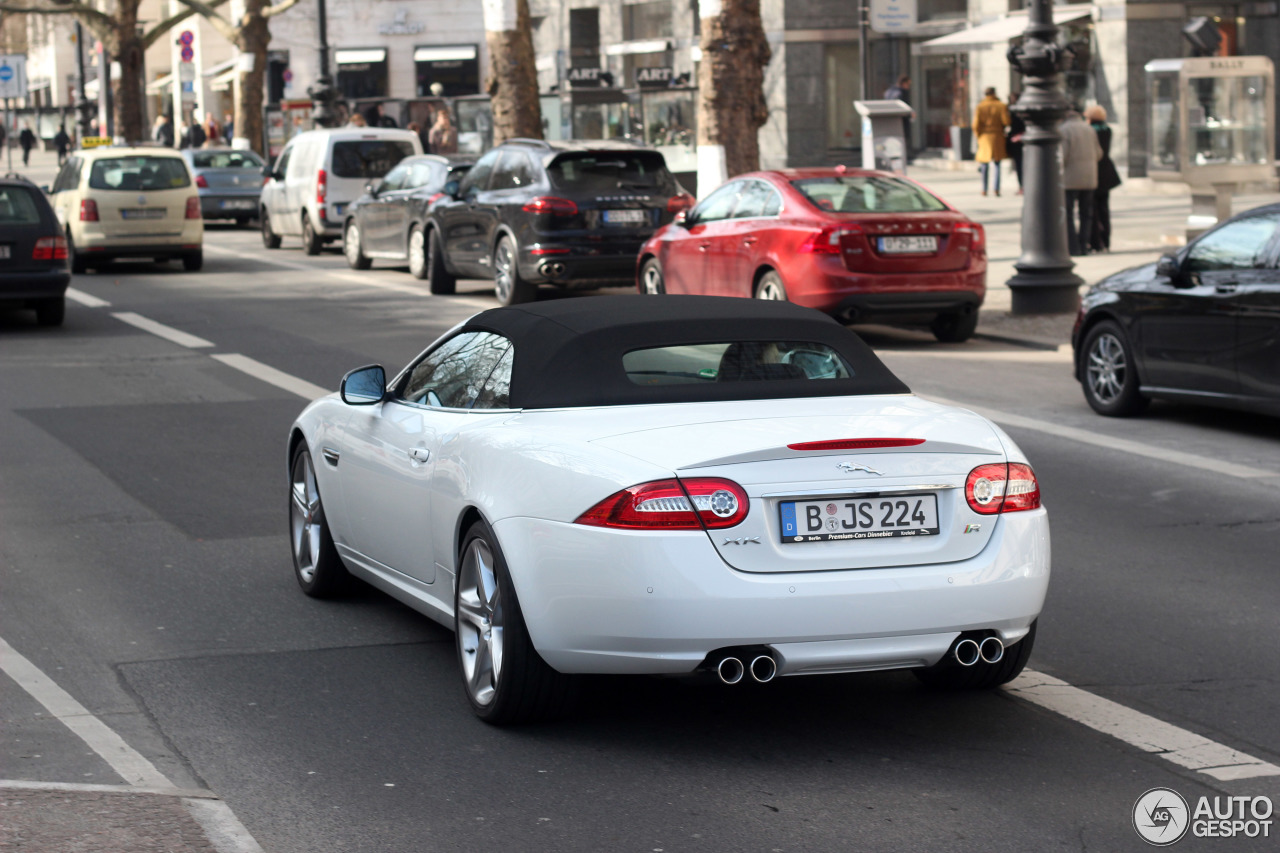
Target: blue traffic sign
point(6, 73)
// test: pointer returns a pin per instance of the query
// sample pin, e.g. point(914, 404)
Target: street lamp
point(1044, 283)
point(84, 106)
point(321, 92)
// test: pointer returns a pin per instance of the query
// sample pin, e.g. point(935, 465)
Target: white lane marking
point(1123, 445)
point(86, 299)
point(81, 787)
point(1184, 748)
point(1062, 355)
point(169, 333)
point(220, 825)
point(271, 376)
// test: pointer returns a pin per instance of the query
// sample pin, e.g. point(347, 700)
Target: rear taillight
point(856, 443)
point(434, 197)
point(680, 202)
point(193, 208)
point(692, 504)
point(552, 205)
point(977, 234)
point(1002, 487)
point(202, 182)
point(50, 249)
point(827, 241)
point(88, 210)
point(322, 187)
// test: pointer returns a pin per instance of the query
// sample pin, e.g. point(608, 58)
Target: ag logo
point(1161, 816)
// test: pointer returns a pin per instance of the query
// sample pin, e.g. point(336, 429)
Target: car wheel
point(651, 280)
point(508, 286)
point(311, 241)
point(76, 261)
point(316, 563)
point(270, 239)
point(954, 328)
point(439, 280)
point(193, 261)
point(506, 680)
point(352, 249)
point(50, 312)
point(1110, 379)
point(770, 288)
point(949, 675)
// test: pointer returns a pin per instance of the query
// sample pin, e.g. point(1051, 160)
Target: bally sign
point(654, 78)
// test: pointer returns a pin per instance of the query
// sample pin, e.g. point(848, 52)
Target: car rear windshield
point(368, 158)
point(139, 173)
point(736, 361)
point(18, 207)
point(869, 194)
point(609, 171)
point(226, 160)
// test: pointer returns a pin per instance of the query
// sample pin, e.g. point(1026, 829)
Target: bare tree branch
point(101, 24)
point(225, 28)
point(158, 31)
point(272, 11)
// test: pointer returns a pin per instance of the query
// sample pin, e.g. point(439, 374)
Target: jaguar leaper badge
point(850, 467)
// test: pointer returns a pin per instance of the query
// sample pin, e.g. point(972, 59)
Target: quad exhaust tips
point(968, 651)
point(731, 669)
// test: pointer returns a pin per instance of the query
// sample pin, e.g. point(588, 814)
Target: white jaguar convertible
point(671, 486)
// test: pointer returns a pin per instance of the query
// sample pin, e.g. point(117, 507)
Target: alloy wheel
point(652, 280)
point(306, 517)
point(1106, 368)
point(503, 274)
point(417, 253)
point(770, 290)
point(480, 622)
point(351, 244)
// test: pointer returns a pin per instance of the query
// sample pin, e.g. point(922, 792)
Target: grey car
point(229, 181)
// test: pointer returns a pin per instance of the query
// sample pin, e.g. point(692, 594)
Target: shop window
point(843, 76)
point(455, 67)
point(647, 20)
point(362, 73)
point(584, 37)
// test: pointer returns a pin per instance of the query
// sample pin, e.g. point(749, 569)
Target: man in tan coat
point(989, 121)
point(1080, 155)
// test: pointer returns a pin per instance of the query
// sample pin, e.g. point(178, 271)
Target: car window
point(368, 158)
point(225, 160)
point(866, 194)
point(395, 180)
point(281, 166)
point(1242, 244)
point(757, 199)
point(423, 173)
point(18, 206)
point(478, 178)
point(719, 205)
point(142, 172)
point(514, 170)
point(452, 375)
point(496, 393)
point(63, 181)
point(609, 171)
point(734, 361)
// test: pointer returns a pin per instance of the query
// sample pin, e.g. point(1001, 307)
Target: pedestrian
point(4, 135)
point(228, 128)
point(1017, 129)
point(1108, 179)
point(163, 131)
point(989, 121)
point(422, 137)
point(27, 140)
point(62, 143)
point(443, 136)
point(1080, 155)
point(194, 135)
point(901, 91)
point(212, 133)
point(357, 120)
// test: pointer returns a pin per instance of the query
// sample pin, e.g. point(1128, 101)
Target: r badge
point(972, 528)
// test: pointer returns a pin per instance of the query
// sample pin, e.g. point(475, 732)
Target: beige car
point(128, 203)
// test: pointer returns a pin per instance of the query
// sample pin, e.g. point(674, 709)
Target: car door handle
point(702, 247)
point(419, 454)
point(1226, 288)
point(747, 241)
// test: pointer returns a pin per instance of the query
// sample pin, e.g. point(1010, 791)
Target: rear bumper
point(228, 206)
point(94, 242)
point(826, 285)
point(613, 266)
point(141, 250)
point(17, 287)
point(607, 601)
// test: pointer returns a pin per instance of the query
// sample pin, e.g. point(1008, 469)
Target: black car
point(33, 252)
point(1201, 325)
point(387, 221)
point(572, 214)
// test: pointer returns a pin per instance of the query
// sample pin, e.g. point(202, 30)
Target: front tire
point(505, 679)
point(352, 248)
point(954, 328)
point(439, 280)
point(50, 312)
point(316, 563)
point(311, 242)
point(270, 239)
point(770, 288)
point(1110, 379)
point(949, 675)
point(651, 281)
point(508, 286)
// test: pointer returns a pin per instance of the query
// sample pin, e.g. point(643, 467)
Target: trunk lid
point(247, 181)
point(934, 241)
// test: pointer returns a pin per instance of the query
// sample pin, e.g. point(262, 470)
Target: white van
point(319, 173)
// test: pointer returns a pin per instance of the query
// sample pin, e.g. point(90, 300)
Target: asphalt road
point(146, 571)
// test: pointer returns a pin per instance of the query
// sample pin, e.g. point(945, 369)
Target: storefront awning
point(224, 81)
point(360, 57)
point(999, 32)
point(158, 85)
point(444, 53)
point(221, 67)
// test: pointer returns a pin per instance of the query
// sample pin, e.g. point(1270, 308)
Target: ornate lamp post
point(321, 92)
point(1044, 283)
point(84, 107)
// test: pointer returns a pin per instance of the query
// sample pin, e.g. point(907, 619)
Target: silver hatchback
point(229, 181)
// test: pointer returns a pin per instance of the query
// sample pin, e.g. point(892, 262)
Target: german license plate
point(142, 212)
point(908, 245)
point(880, 517)
point(626, 217)
point(4, 252)
point(236, 204)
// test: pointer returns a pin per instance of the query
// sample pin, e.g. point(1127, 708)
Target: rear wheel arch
point(469, 516)
point(762, 271)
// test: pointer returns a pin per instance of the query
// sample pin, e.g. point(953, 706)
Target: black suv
point(572, 214)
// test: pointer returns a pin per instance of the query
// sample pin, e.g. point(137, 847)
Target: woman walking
point(1108, 179)
point(1017, 128)
point(989, 121)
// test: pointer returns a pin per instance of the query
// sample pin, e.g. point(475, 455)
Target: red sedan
point(860, 245)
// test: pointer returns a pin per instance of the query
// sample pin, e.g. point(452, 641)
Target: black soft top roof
point(568, 352)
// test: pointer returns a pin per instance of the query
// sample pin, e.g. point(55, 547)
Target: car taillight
point(692, 504)
point(1002, 487)
point(977, 234)
point(88, 210)
point(551, 204)
point(202, 182)
point(856, 443)
point(827, 241)
point(434, 197)
point(680, 202)
point(193, 208)
point(322, 187)
point(50, 249)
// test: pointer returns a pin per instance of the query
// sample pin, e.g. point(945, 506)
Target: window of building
point(647, 21)
point(455, 67)
point(843, 76)
point(584, 38)
point(362, 73)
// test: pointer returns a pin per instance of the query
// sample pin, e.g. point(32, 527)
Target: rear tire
point(954, 328)
point(949, 675)
point(270, 239)
point(311, 241)
point(770, 288)
point(78, 263)
point(440, 281)
point(316, 564)
point(651, 279)
point(352, 248)
point(508, 286)
point(50, 312)
point(1110, 378)
point(193, 261)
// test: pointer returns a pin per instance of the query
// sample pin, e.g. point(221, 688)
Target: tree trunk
point(731, 105)
point(128, 50)
point(513, 77)
point(255, 35)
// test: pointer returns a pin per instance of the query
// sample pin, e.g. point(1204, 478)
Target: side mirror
point(451, 189)
point(364, 386)
point(44, 188)
point(373, 186)
point(1168, 267)
point(681, 218)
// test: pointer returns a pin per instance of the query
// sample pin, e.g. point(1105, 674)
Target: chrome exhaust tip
point(730, 670)
point(764, 668)
point(991, 649)
point(967, 652)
